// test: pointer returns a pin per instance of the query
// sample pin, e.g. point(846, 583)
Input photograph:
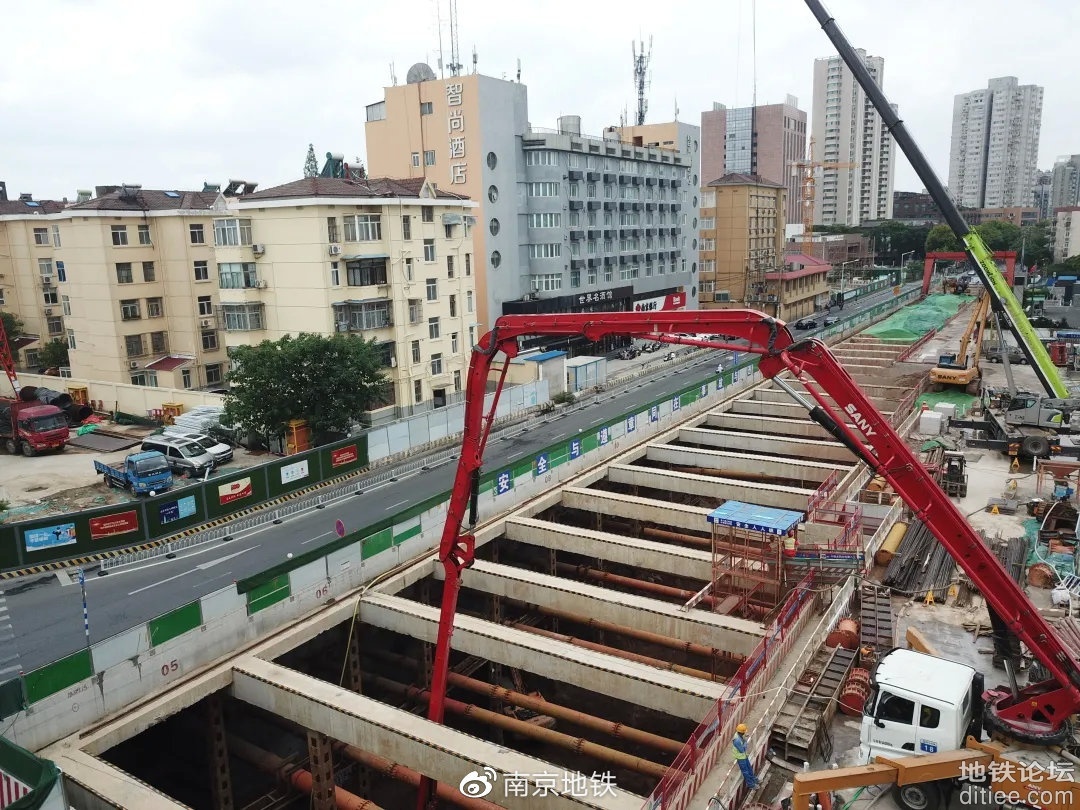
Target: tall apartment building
point(847, 129)
point(388, 260)
point(125, 278)
point(1066, 241)
point(764, 141)
point(569, 223)
point(995, 144)
point(1065, 182)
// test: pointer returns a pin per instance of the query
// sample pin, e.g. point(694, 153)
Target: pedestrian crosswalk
point(9, 654)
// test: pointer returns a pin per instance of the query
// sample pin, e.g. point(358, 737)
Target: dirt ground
point(66, 481)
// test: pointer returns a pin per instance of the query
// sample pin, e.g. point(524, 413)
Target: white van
point(221, 452)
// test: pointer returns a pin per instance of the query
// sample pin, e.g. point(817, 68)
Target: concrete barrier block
point(221, 603)
point(126, 645)
point(306, 578)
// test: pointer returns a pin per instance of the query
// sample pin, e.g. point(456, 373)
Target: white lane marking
point(396, 505)
point(316, 537)
point(212, 563)
point(202, 567)
point(161, 582)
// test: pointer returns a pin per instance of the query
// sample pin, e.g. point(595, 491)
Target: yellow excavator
point(959, 369)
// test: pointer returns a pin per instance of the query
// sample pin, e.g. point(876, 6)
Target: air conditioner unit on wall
point(206, 323)
point(258, 248)
point(133, 364)
point(335, 250)
point(48, 310)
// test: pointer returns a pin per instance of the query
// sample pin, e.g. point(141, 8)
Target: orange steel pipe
point(629, 656)
point(643, 635)
point(405, 774)
point(297, 777)
point(511, 724)
point(559, 712)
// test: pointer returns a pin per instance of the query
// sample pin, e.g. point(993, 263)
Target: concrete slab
point(802, 428)
point(122, 789)
point(825, 450)
point(617, 607)
point(432, 749)
point(676, 516)
point(671, 692)
point(708, 486)
point(780, 410)
point(796, 469)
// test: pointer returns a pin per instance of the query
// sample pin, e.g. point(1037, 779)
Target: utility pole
point(85, 612)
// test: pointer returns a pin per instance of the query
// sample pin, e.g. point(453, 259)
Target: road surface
point(46, 617)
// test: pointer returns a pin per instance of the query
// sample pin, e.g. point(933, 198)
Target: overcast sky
point(171, 94)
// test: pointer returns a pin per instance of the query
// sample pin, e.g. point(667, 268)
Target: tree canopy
point(328, 381)
point(12, 325)
point(54, 354)
point(1033, 241)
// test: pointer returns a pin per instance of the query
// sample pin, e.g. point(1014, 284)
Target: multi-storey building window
point(432, 288)
point(202, 270)
point(546, 220)
point(371, 315)
point(54, 325)
point(209, 340)
point(543, 189)
point(363, 228)
point(416, 351)
point(129, 310)
point(119, 235)
point(416, 310)
point(50, 296)
point(449, 266)
point(237, 275)
point(365, 272)
point(65, 301)
point(453, 306)
point(197, 234)
point(592, 276)
point(155, 308)
point(433, 328)
point(548, 282)
point(134, 346)
point(159, 342)
point(56, 235)
point(242, 317)
point(148, 273)
point(708, 245)
point(232, 232)
point(335, 275)
point(213, 374)
point(429, 157)
point(406, 227)
point(454, 343)
point(468, 301)
point(418, 391)
point(123, 273)
point(144, 235)
point(41, 236)
point(427, 213)
point(436, 364)
point(205, 305)
point(429, 250)
point(409, 269)
point(468, 264)
point(45, 267)
point(332, 230)
point(457, 382)
point(575, 278)
point(707, 224)
point(542, 157)
point(71, 339)
point(545, 250)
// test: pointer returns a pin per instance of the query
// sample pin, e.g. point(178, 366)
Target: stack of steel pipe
point(921, 565)
point(1011, 555)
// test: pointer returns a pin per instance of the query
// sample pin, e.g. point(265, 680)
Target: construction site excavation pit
point(600, 623)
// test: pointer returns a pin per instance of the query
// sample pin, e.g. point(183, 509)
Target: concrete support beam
point(708, 486)
point(103, 779)
point(676, 694)
point(875, 390)
point(433, 749)
point(628, 507)
point(666, 558)
point(779, 397)
point(781, 446)
point(802, 428)
point(779, 410)
point(741, 462)
point(617, 607)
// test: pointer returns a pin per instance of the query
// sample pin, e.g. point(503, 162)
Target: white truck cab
point(918, 704)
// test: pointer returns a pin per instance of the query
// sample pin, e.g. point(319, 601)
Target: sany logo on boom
point(859, 422)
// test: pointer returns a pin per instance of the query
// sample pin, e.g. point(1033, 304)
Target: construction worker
point(738, 750)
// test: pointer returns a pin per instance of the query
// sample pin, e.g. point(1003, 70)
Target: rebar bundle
point(921, 565)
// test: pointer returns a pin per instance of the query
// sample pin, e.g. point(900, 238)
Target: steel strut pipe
point(297, 777)
point(629, 656)
point(525, 729)
point(762, 478)
point(653, 587)
point(644, 635)
point(753, 550)
point(407, 775)
point(559, 712)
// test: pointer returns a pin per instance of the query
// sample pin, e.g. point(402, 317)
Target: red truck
point(31, 427)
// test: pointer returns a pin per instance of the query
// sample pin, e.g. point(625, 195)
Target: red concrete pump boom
point(1037, 713)
point(7, 360)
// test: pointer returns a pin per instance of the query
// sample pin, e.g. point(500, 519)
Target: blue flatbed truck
point(141, 473)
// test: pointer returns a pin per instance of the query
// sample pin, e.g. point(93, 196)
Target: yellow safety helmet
point(741, 728)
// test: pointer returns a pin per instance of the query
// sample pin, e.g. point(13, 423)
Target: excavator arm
point(1038, 712)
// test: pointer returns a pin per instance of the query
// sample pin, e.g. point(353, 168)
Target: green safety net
point(962, 401)
point(911, 323)
point(1063, 564)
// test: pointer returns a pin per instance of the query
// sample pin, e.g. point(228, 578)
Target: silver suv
point(185, 456)
point(221, 452)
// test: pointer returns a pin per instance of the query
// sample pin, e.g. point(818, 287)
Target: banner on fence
point(110, 525)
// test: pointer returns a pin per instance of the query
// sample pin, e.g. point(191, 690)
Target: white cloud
point(170, 95)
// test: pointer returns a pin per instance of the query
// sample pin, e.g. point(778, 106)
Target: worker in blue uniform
point(738, 750)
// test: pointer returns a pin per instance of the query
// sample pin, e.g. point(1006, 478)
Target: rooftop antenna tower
point(642, 78)
point(393, 75)
point(438, 30)
point(475, 59)
point(753, 37)
point(455, 63)
point(519, 71)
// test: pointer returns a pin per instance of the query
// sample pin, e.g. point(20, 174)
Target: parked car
point(806, 323)
point(832, 319)
point(185, 457)
point(993, 354)
point(221, 452)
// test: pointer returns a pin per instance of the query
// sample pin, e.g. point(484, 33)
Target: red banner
point(664, 303)
point(234, 490)
point(109, 525)
point(343, 455)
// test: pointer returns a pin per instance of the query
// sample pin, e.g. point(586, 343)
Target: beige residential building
point(125, 277)
point(389, 260)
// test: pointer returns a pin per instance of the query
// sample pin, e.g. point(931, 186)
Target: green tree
point(311, 165)
point(54, 354)
point(12, 327)
point(892, 239)
point(1036, 243)
point(941, 239)
point(329, 381)
point(1000, 235)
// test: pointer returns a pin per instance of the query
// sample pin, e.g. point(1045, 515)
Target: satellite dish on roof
point(420, 72)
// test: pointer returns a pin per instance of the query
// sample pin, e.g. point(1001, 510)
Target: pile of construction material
point(201, 419)
point(921, 565)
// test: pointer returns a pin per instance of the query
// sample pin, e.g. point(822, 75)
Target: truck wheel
point(28, 450)
point(11, 446)
point(1035, 447)
point(921, 796)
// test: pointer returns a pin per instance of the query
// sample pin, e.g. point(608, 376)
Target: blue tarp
point(756, 518)
point(539, 358)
